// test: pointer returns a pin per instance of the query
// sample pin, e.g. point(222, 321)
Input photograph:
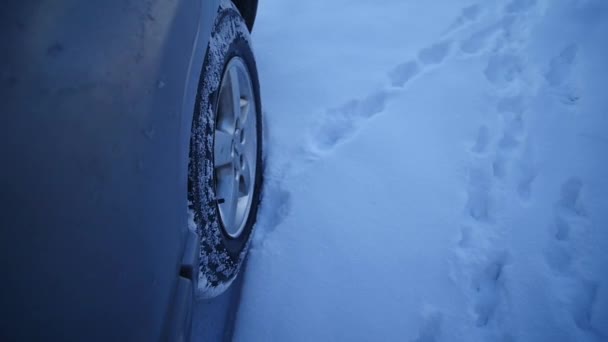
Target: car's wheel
point(225, 171)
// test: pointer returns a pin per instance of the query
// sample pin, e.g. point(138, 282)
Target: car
point(132, 164)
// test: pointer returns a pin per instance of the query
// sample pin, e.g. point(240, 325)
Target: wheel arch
point(248, 9)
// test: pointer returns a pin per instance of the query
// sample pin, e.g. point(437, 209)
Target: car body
point(97, 103)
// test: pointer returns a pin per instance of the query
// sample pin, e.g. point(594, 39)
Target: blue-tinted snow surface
point(436, 171)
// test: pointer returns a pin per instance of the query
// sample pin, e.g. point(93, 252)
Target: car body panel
point(97, 103)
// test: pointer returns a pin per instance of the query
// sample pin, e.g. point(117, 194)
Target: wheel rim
point(235, 147)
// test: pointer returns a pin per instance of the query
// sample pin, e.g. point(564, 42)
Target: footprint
point(524, 185)
point(558, 256)
point(582, 304)
point(373, 104)
point(519, 6)
point(515, 126)
point(559, 76)
point(333, 130)
point(467, 15)
point(482, 140)
point(477, 41)
point(503, 69)
point(340, 123)
point(569, 202)
point(487, 286)
point(560, 66)
point(471, 13)
point(430, 331)
point(466, 237)
point(599, 313)
point(403, 73)
point(499, 165)
point(434, 54)
point(568, 208)
point(508, 142)
point(511, 104)
point(484, 38)
point(478, 196)
point(513, 133)
point(562, 229)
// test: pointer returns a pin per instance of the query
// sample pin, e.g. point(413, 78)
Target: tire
point(223, 247)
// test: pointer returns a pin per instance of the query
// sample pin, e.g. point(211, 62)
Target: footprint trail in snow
point(504, 180)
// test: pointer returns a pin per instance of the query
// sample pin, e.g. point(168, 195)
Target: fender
point(97, 101)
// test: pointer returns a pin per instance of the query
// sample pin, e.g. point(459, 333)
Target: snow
point(435, 172)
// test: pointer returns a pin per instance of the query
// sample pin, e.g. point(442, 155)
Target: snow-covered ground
point(436, 171)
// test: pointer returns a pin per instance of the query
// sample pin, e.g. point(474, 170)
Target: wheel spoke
point(231, 206)
point(246, 104)
point(227, 194)
point(244, 111)
point(245, 179)
point(225, 118)
point(222, 148)
point(249, 144)
point(235, 92)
